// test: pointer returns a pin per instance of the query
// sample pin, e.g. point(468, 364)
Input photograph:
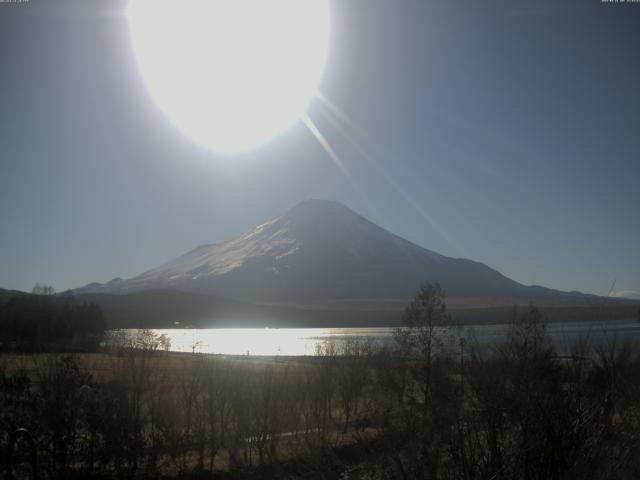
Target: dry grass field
point(515, 411)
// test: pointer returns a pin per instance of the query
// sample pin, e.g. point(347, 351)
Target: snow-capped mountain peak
point(319, 249)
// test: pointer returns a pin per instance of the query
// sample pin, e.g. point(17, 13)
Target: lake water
point(307, 341)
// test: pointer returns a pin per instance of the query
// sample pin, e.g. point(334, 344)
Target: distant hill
point(176, 309)
point(163, 308)
point(321, 251)
point(7, 294)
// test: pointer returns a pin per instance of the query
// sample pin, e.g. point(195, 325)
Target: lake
point(307, 341)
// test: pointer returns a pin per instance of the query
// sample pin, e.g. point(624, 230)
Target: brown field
point(518, 411)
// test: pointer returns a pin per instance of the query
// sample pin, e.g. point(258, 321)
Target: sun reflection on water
point(312, 341)
point(262, 341)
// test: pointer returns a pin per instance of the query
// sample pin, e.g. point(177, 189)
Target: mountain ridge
point(320, 250)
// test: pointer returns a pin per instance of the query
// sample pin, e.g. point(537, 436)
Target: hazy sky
point(506, 132)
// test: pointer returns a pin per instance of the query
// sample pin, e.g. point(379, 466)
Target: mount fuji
point(317, 252)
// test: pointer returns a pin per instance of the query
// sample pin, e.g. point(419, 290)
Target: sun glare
point(231, 74)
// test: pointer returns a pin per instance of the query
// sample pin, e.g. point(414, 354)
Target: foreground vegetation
point(515, 411)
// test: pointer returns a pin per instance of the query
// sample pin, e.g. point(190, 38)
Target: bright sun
point(231, 74)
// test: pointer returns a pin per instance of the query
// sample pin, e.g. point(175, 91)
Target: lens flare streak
point(341, 123)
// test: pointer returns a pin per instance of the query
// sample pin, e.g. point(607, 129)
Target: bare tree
point(43, 290)
point(419, 338)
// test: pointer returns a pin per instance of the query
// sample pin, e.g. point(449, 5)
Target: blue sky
point(506, 132)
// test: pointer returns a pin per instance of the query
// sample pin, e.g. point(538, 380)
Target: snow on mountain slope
point(212, 260)
point(318, 250)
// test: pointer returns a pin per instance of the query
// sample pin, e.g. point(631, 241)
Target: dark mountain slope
point(318, 251)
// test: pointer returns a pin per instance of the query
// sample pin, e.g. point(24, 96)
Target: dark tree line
point(43, 319)
point(514, 411)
